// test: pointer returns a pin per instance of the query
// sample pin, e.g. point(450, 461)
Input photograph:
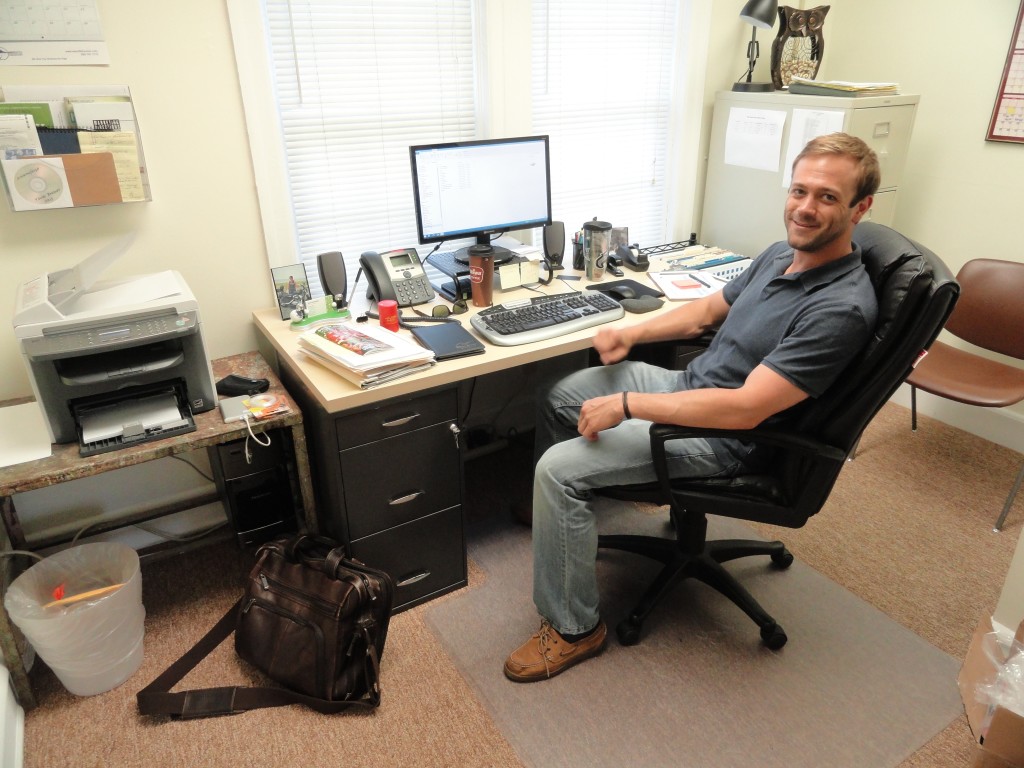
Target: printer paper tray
point(108, 426)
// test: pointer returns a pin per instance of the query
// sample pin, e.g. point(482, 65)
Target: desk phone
point(397, 275)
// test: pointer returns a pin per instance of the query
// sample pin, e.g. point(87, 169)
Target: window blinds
point(602, 89)
point(356, 83)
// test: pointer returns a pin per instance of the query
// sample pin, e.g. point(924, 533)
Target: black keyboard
point(544, 317)
point(445, 261)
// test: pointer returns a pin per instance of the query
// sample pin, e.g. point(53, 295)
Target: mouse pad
point(638, 288)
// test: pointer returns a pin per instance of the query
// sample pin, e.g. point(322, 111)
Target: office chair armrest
point(802, 445)
point(663, 433)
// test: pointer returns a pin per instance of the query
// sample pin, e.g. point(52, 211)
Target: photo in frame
point(291, 286)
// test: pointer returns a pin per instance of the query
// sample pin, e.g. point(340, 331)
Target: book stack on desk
point(366, 355)
point(808, 87)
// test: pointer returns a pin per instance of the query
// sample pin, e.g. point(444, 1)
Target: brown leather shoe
point(547, 653)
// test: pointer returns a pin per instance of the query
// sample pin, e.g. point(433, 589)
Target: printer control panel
point(127, 331)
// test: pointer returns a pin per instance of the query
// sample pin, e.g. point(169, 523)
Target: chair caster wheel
point(628, 631)
point(783, 559)
point(773, 637)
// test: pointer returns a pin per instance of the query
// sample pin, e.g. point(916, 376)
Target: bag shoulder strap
point(156, 698)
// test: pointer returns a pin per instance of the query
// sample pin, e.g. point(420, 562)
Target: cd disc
point(262, 401)
point(38, 183)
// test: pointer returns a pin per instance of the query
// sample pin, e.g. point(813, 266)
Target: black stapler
point(631, 258)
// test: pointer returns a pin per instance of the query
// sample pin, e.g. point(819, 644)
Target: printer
point(113, 363)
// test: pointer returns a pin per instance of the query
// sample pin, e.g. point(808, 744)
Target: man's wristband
point(625, 406)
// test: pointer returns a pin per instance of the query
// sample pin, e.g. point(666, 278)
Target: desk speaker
point(554, 243)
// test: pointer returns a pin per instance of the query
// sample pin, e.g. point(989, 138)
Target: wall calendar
point(1007, 123)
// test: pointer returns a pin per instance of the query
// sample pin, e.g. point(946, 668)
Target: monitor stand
point(501, 255)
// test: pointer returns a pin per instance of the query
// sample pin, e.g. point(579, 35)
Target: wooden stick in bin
point(84, 595)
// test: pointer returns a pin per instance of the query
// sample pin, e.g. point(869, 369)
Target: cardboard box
point(1001, 743)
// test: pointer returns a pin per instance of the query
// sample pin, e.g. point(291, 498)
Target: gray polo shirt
point(807, 327)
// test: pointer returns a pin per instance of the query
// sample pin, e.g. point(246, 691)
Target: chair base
point(705, 566)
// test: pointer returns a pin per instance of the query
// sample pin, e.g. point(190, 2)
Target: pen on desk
point(694, 277)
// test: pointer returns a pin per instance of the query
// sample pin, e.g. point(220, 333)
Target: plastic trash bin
point(93, 644)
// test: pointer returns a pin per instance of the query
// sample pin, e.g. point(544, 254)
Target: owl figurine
point(799, 45)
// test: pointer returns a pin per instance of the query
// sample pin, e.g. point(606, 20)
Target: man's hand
point(600, 413)
point(612, 345)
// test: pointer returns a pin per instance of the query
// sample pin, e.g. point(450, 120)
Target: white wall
point(203, 220)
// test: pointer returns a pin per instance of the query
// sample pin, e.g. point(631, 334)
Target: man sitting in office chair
point(787, 327)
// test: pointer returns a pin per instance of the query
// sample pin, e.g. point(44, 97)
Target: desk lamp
point(757, 13)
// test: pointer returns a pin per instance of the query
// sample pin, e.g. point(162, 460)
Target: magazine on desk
point(366, 355)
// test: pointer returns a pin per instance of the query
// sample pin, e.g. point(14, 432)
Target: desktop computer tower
point(257, 492)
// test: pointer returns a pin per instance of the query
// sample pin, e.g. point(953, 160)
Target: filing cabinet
point(747, 180)
point(389, 486)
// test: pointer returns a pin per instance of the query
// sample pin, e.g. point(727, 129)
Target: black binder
point(448, 340)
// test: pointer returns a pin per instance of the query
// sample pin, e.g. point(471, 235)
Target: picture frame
point(1007, 123)
point(620, 236)
point(291, 286)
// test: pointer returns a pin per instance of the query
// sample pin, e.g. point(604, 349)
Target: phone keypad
point(414, 290)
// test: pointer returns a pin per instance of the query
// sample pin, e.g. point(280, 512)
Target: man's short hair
point(869, 175)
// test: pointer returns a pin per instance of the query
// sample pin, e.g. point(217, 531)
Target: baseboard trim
point(1000, 425)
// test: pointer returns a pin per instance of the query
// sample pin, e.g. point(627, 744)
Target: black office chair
point(916, 293)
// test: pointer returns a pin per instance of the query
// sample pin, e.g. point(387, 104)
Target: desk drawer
point(400, 479)
point(396, 418)
point(425, 557)
point(232, 456)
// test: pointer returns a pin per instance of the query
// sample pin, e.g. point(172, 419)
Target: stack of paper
point(367, 355)
point(810, 87)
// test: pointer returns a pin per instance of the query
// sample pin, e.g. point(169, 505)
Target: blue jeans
point(570, 467)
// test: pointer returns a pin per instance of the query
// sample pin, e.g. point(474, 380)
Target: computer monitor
point(481, 188)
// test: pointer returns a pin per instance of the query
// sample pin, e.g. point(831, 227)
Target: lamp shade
point(760, 13)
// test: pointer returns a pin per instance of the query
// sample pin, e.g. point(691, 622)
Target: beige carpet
point(908, 529)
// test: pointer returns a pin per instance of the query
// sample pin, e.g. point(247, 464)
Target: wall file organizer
point(70, 147)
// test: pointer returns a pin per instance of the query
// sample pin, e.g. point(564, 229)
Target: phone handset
point(396, 275)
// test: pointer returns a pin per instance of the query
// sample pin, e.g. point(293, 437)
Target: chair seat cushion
point(965, 377)
point(752, 487)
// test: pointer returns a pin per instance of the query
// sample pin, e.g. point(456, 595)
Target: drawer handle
point(400, 422)
point(405, 499)
point(413, 579)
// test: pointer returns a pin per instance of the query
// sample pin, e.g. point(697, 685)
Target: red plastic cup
point(388, 312)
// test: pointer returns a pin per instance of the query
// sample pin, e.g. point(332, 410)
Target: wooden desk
point(65, 464)
point(387, 461)
point(337, 395)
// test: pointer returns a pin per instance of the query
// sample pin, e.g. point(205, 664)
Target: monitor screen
point(481, 188)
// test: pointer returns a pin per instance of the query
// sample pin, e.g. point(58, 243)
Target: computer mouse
point(621, 292)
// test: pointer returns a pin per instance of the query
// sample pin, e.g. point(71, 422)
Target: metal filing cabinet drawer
point(397, 417)
point(399, 479)
point(425, 557)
